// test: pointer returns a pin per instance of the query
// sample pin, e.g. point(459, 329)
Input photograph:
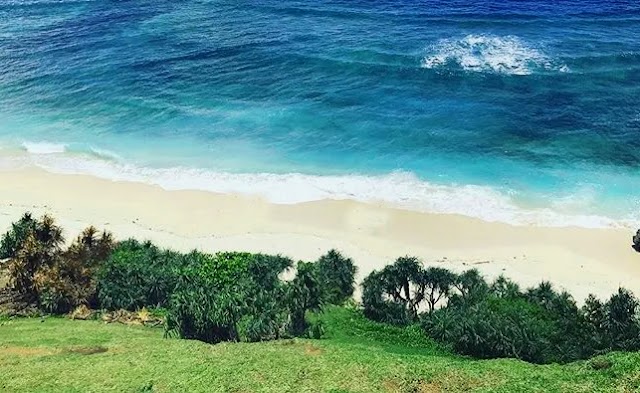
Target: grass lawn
point(61, 355)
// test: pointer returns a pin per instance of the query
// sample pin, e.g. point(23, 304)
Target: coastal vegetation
point(636, 241)
point(245, 297)
point(498, 319)
point(231, 296)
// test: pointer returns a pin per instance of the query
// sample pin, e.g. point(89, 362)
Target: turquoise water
point(524, 112)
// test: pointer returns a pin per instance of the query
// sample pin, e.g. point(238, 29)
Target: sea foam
point(43, 147)
point(488, 53)
point(399, 189)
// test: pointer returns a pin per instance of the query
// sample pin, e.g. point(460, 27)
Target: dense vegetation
point(492, 320)
point(243, 296)
point(213, 298)
point(636, 241)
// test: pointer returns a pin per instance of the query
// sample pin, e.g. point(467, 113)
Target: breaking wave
point(486, 53)
point(400, 189)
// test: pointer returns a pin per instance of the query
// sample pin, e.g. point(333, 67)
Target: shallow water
point(524, 112)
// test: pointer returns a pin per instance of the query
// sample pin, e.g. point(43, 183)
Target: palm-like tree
point(14, 239)
point(434, 284)
point(502, 287)
point(337, 276)
point(543, 295)
point(39, 249)
point(470, 285)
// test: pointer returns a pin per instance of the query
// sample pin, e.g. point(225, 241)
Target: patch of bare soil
point(23, 351)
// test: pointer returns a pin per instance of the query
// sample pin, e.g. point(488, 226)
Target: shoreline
point(580, 260)
point(404, 190)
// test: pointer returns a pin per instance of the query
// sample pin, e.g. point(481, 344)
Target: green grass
point(57, 355)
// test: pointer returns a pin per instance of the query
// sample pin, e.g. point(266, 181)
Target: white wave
point(44, 147)
point(487, 53)
point(399, 189)
point(105, 154)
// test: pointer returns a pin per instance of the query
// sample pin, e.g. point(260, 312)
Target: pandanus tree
point(543, 295)
point(621, 321)
point(305, 294)
point(405, 285)
point(400, 281)
point(504, 288)
point(71, 280)
point(36, 248)
point(13, 240)
point(434, 285)
point(336, 274)
point(471, 288)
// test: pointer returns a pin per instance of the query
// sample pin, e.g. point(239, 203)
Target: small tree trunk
point(406, 291)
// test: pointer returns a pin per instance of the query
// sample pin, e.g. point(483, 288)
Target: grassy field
point(61, 355)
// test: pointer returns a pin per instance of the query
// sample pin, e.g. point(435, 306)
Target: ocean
point(526, 112)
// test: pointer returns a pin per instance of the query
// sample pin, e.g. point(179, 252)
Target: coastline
point(580, 260)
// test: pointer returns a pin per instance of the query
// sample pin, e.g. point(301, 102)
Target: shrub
point(621, 324)
point(493, 328)
point(71, 280)
point(636, 241)
point(13, 240)
point(139, 275)
point(336, 275)
point(304, 294)
point(33, 246)
point(229, 297)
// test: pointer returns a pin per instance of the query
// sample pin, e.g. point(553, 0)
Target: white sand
point(580, 260)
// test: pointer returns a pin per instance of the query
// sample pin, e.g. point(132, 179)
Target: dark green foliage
point(377, 304)
point(397, 293)
point(636, 241)
point(336, 274)
point(502, 287)
point(13, 239)
point(229, 297)
point(540, 325)
point(304, 294)
point(434, 284)
point(621, 324)
point(139, 275)
point(493, 328)
point(471, 288)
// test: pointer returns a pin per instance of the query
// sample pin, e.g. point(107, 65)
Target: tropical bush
point(336, 273)
point(13, 240)
point(139, 274)
point(636, 241)
point(304, 293)
point(495, 320)
point(229, 297)
point(44, 274)
point(71, 280)
point(31, 246)
point(492, 328)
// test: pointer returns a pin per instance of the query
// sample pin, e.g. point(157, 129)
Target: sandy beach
point(579, 260)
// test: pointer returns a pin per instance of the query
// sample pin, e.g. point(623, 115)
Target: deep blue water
point(521, 111)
